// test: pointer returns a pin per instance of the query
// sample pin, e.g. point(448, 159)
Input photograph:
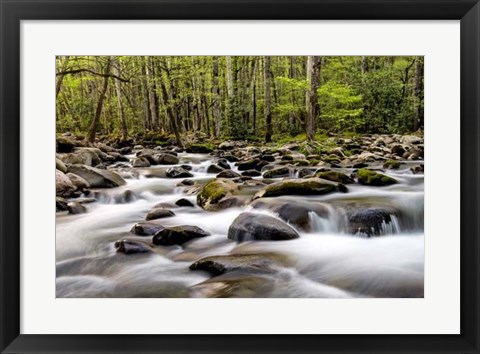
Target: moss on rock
point(307, 186)
point(372, 178)
point(335, 176)
point(214, 191)
point(392, 164)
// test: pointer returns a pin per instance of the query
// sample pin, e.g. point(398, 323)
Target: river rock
point(368, 221)
point(217, 265)
point(167, 159)
point(398, 150)
point(178, 235)
point(183, 202)
point(223, 163)
point(159, 213)
point(248, 165)
point(61, 204)
point(76, 208)
point(228, 174)
point(65, 145)
point(372, 178)
point(59, 165)
point(63, 186)
point(97, 178)
point(146, 229)
point(335, 176)
point(79, 182)
point(177, 172)
point(277, 172)
point(296, 212)
point(391, 164)
point(199, 148)
point(214, 169)
point(417, 169)
point(141, 161)
point(214, 192)
point(307, 186)
point(251, 226)
point(251, 173)
point(132, 247)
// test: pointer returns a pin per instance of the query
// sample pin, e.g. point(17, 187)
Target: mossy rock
point(277, 172)
point(335, 176)
point(214, 191)
point(307, 186)
point(200, 148)
point(392, 164)
point(372, 178)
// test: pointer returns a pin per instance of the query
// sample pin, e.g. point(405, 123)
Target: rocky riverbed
point(342, 218)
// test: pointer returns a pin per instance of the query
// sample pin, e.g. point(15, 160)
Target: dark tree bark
point(417, 95)
point(313, 76)
point(118, 91)
point(216, 97)
point(98, 111)
point(268, 113)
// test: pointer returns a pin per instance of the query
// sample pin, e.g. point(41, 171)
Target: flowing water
point(324, 262)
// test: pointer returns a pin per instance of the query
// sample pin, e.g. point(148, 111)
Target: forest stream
point(357, 240)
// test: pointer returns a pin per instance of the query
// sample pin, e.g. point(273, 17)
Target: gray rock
point(251, 226)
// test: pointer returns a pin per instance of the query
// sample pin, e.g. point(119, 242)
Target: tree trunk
point(313, 66)
point(216, 97)
point(417, 94)
point(172, 114)
point(151, 93)
point(268, 114)
point(118, 90)
point(146, 97)
point(60, 77)
point(197, 126)
point(98, 112)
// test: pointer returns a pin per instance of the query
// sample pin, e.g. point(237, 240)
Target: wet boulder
point(183, 202)
point(97, 178)
point(178, 235)
point(223, 163)
point(146, 229)
point(248, 165)
point(369, 221)
point(63, 186)
point(167, 159)
point(59, 165)
point(159, 213)
point(214, 169)
point(417, 169)
point(372, 178)
point(214, 192)
point(277, 172)
point(228, 174)
point(61, 204)
point(251, 263)
point(65, 145)
point(251, 173)
point(335, 176)
point(296, 213)
point(307, 186)
point(141, 161)
point(126, 196)
point(391, 164)
point(79, 182)
point(251, 226)
point(177, 172)
point(398, 150)
point(132, 247)
point(76, 208)
point(199, 148)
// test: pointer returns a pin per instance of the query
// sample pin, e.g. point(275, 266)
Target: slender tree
point(313, 76)
point(268, 113)
point(92, 131)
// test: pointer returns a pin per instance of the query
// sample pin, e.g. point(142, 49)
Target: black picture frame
point(14, 11)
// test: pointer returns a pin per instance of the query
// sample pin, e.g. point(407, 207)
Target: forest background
point(238, 97)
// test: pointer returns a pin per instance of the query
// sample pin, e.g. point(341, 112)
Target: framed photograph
point(268, 176)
